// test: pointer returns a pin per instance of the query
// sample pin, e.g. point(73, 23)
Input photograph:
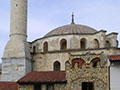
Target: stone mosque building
point(70, 57)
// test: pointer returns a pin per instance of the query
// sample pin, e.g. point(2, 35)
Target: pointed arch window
point(117, 43)
point(63, 44)
point(45, 47)
point(34, 49)
point(83, 43)
point(96, 43)
point(107, 44)
point(57, 66)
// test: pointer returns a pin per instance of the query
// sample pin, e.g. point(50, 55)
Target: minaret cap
point(72, 18)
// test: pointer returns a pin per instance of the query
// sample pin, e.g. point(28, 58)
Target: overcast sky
point(45, 15)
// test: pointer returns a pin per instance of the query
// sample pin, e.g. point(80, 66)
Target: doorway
point(87, 86)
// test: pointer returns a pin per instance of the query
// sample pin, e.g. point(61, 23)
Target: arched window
point(83, 43)
point(57, 66)
point(34, 49)
point(117, 43)
point(107, 44)
point(77, 61)
point(63, 44)
point(95, 62)
point(96, 43)
point(45, 47)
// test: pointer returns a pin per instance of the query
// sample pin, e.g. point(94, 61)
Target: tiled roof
point(43, 77)
point(114, 57)
point(8, 86)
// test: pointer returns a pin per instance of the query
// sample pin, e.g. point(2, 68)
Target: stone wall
point(43, 87)
point(14, 69)
point(26, 87)
point(112, 38)
point(44, 62)
point(0, 75)
point(87, 73)
point(73, 41)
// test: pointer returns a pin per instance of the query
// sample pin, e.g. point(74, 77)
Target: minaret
point(16, 58)
point(18, 25)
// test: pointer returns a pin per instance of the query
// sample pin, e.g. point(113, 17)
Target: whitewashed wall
point(115, 76)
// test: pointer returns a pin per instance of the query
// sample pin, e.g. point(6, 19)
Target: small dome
point(72, 29)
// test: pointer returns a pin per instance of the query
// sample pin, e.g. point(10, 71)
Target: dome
point(72, 29)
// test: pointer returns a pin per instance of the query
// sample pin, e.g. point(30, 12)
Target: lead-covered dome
point(74, 29)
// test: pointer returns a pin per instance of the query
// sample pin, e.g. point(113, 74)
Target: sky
point(45, 15)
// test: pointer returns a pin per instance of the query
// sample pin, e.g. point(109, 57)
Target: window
point(96, 43)
point(76, 65)
point(77, 62)
point(63, 44)
point(37, 87)
point(34, 49)
point(50, 87)
point(87, 86)
point(117, 43)
point(83, 43)
point(57, 66)
point(45, 47)
point(107, 44)
point(95, 64)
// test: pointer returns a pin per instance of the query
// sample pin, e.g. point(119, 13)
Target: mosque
point(70, 57)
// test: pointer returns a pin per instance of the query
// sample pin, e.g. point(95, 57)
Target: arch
point(34, 49)
point(66, 62)
point(63, 44)
point(107, 44)
point(57, 66)
point(79, 61)
point(96, 43)
point(83, 43)
point(45, 47)
point(95, 62)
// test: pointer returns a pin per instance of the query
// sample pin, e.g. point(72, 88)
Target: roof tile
point(8, 86)
point(44, 76)
point(114, 57)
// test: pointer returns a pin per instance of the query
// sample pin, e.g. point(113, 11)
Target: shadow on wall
point(0, 66)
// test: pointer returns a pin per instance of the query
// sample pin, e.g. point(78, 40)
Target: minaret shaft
point(18, 24)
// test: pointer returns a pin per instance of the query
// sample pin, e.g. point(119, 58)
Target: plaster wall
point(115, 76)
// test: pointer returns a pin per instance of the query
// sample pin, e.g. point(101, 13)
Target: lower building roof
point(114, 57)
point(44, 77)
point(8, 86)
